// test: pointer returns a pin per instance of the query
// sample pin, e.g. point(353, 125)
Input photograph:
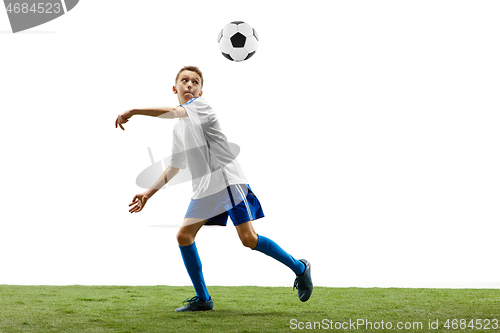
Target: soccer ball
point(238, 41)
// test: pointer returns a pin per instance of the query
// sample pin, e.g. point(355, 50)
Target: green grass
point(237, 309)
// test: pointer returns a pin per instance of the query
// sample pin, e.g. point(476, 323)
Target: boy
point(219, 185)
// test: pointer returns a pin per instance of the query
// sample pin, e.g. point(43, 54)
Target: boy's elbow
point(173, 170)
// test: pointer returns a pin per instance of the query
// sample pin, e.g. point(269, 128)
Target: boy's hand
point(139, 201)
point(123, 118)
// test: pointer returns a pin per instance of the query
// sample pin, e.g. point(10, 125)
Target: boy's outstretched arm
point(139, 201)
point(169, 112)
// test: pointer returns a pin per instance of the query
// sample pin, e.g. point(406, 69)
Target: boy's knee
point(183, 238)
point(249, 240)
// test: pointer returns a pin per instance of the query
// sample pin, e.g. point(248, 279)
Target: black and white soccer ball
point(238, 41)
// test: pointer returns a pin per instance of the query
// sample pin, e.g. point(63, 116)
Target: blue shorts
point(237, 201)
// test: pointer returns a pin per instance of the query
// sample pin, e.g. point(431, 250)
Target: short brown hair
point(192, 69)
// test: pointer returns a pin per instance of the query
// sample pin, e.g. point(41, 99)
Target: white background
point(368, 130)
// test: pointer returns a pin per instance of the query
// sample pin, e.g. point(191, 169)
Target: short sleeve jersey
point(199, 144)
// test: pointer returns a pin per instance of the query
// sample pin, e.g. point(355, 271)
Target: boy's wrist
point(150, 192)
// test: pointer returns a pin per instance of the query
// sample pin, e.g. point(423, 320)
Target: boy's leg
point(301, 268)
point(185, 238)
point(250, 239)
point(189, 228)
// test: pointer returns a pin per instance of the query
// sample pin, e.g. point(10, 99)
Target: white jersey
point(200, 145)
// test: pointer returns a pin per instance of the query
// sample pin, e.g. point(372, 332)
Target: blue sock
point(270, 248)
point(193, 265)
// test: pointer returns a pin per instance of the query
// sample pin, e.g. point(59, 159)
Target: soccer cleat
point(196, 304)
point(303, 283)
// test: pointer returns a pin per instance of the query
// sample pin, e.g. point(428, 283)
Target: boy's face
point(188, 86)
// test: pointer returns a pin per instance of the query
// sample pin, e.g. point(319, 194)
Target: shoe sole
point(307, 271)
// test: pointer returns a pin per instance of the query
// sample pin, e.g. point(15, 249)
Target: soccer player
point(219, 185)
